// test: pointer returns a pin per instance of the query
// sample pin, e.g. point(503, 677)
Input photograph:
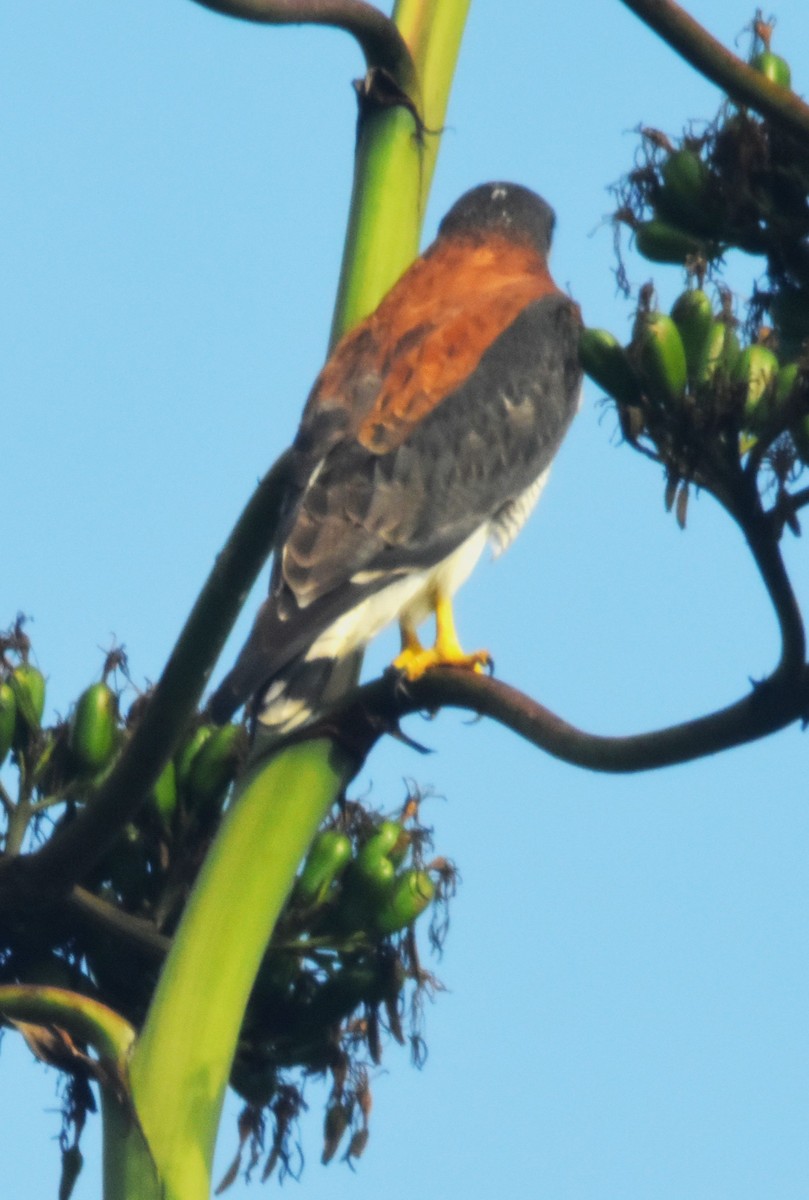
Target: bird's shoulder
point(423, 341)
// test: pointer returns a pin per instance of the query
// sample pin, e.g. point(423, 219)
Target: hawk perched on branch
point(428, 433)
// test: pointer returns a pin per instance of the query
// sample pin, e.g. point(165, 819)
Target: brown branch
point(76, 847)
point(771, 567)
point(762, 538)
point(377, 36)
point(378, 707)
point(6, 803)
point(740, 81)
point(134, 933)
point(799, 499)
point(771, 705)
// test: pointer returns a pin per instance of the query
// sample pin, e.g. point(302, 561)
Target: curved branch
point(377, 36)
point(378, 706)
point(135, 933)
point(771, 705)
point(110, 1035)
point(799, 499)
point(761, 537)
point(740, 81)
point(74, 848)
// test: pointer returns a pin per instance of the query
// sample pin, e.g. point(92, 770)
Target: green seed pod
point(94, 727)
point(328, 858)
point(785, 383)
point(604, 359)
point(412, 893)
point(189, 750)
point(664, 243)
point(720, 352)
point(685, 172)
point(28, 685)
point(399, 850)
point(376, 874)
point(29, 691)
point(8, 718)
point(662, 359)
point(774, 67)
point(381, 844)
point(164, 795)
point(365, 885)
point(684, 199)
point(692, 313)
point(214, 765)
point(755, 372)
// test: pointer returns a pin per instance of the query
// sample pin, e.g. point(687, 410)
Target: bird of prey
point(428, 433)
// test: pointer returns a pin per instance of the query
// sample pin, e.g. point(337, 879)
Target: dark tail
point(294, 697)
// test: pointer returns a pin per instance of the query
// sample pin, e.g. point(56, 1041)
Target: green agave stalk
point(42, 1013)
point(181, 1062)
point(397, 148)
point(182, 1059)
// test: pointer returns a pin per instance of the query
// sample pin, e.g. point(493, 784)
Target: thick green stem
point(180, 1066)
point(397, 147)
point(82, 1017)
point(385, 218)
point(433, 30)
point(129, 1172)
point(182, 1060)
point(18, 821)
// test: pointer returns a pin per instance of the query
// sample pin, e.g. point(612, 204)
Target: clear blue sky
point(626, 1014)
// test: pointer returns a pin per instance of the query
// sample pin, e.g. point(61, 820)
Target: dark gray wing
point(379, 516)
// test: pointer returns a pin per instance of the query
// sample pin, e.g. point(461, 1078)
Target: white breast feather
point(410, 596)
point(508, 522)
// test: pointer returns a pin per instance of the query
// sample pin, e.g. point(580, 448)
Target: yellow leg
point(447, 645)
point(414, 659)
point(412, 650)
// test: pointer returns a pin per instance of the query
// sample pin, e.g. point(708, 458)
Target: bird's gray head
point(506, 208)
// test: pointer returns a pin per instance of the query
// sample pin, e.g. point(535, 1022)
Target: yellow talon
point(409, 661)
point(415, 659)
